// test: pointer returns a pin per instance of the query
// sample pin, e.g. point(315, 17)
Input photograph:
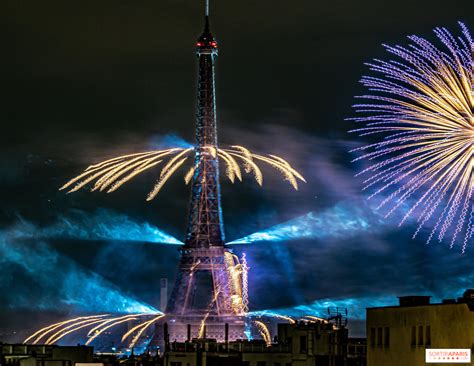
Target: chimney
point(166, 336)
point(414, 300)
point(163, 294)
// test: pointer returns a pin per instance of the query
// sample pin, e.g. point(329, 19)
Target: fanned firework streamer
point(423, 107)
point(111, 174)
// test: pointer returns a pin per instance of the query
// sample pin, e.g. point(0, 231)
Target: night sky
point(84, 81)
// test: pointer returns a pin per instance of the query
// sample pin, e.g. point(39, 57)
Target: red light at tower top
point(206, 44)
point(212, 44)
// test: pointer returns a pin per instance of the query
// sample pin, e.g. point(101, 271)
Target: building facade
point(300, 344)
point(40, 355)
point(399, 335)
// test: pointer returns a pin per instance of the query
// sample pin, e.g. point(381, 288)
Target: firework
point(107, 324)
point(245, 283)
point(111, 174)
point(422, 105)
point(96, 325)
point(234, 271)
point(265, 333)
point(313, 318)
point(202, 326)
point(142, 328)
point(37, 336)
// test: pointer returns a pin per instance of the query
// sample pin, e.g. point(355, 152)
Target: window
point(420, 335)
point(303, 344)
point(372, 336)
point(428, 336)
point(413, 335)
point(379, 336)
point(386, 338)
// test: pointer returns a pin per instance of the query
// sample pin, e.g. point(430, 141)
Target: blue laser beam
point(342, 220)
point(101, 225)
point(57, 282)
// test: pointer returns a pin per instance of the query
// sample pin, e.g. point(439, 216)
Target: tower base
point(205, 284)
point(221, 328)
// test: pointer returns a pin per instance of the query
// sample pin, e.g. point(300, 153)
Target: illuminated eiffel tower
point(204, 287)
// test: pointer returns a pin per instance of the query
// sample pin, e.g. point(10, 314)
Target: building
point(299, 344)
point(399, 335)
point(356, 354)
point(40, 355)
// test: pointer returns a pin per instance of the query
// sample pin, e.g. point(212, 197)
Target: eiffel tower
point(204, 297)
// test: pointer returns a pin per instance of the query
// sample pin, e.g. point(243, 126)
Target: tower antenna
point(206, 28)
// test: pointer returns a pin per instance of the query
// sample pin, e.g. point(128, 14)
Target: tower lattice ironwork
point(204, 284)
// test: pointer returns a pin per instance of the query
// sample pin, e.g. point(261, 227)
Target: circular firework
point(421, 105)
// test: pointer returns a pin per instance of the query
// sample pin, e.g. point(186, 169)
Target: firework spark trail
point(189, 175)
point(137, 171)
point(138, 327)
point(316, 319)
point(263, 329)
point(288, 173)
point(171, 164)
point(70, 329)
point(271, 314)
point(288, 166)
point(144, 327)
point(123, 157)
point(230, 172)
point(111, 174)
point(245, 283)
point(432, 192)
point(121, 168)
point(113, 323)
point(164, 179)
point(245, 154)
point(423, 105)
point(44, 331)
point(74, 322)
point(233, 169)
point(109, 178)
point(235, 272)
point(250, 166)
point(202, 326)
point(108, 321)
point(98, 324)
point(131, 331)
